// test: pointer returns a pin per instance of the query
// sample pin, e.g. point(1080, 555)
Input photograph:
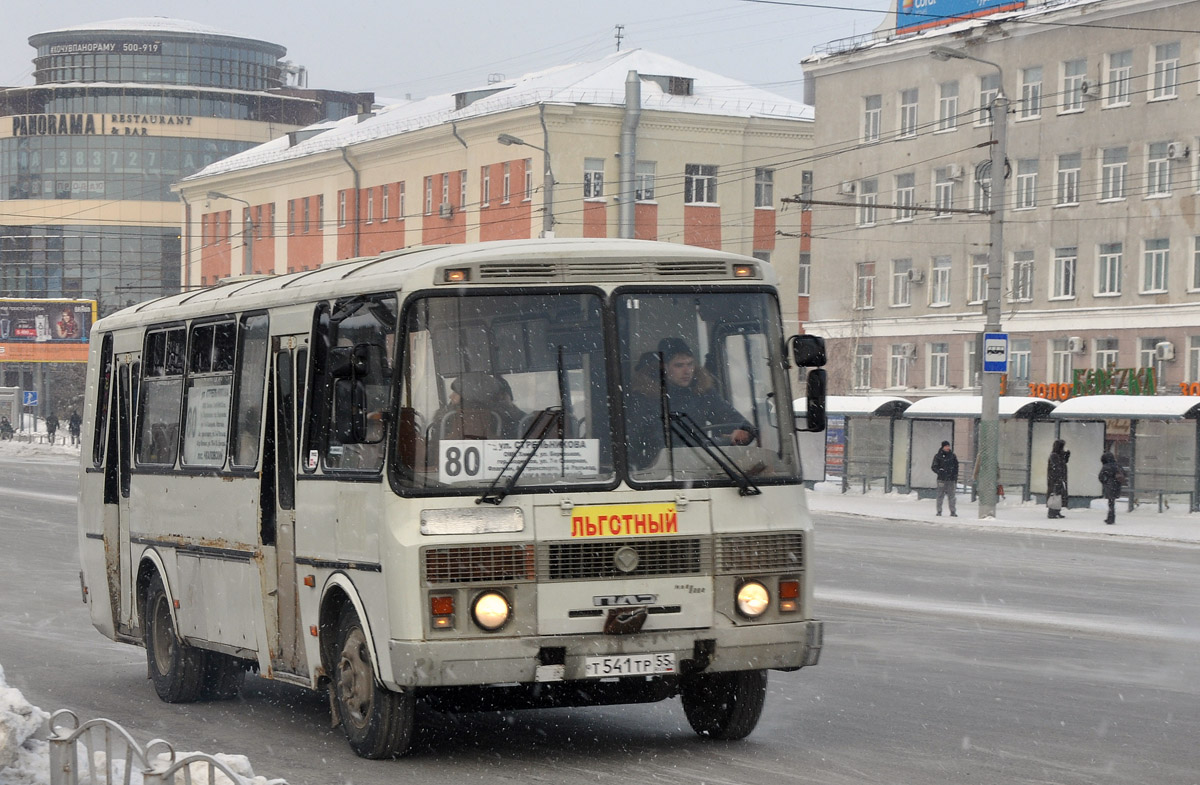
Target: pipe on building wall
point(454, 130)
point(346, 158)
point(629, 126)
point(187, 242)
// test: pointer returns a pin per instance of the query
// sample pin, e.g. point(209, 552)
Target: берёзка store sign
point(45, 331)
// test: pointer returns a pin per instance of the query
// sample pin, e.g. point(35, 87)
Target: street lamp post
point(247, 231)
point(547, 181)
point(989, 421)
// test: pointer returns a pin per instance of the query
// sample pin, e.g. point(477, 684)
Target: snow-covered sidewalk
point(1173, 524)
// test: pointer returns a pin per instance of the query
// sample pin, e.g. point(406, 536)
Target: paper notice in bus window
point(475, 460)
point(207, 422)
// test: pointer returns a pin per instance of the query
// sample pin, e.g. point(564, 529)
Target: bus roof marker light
point(743, 271)
point(458, 275)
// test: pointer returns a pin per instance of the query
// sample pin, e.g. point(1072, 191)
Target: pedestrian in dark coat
point(945, 466)
point(51, 426)
point(1111, 477)
point(74, 423)
point(1056, 477)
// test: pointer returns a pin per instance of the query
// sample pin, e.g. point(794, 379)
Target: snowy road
point(952, 656)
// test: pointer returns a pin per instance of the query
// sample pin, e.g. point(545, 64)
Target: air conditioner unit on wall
point(956, 172)
point(909, 350)
point(1075, 345)
point(1088, 87)
point(915, 275)
point(1177, 150)
point(1164, 350)
point(445, 210)
point(848, 188)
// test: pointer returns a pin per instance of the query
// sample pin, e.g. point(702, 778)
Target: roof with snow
point(857, 405)
point(1129, 407)
point(1011, 406)
point(159, 25)
point(598, 82)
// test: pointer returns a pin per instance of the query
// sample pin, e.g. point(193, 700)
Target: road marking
point(39, 495)
point(1059, 622)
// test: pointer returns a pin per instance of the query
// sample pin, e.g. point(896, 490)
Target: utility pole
point(619, 34)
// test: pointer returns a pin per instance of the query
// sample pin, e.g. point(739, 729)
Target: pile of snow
point(25, 753)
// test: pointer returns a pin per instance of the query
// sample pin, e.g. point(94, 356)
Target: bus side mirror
point(808, 351)
point(815, 414)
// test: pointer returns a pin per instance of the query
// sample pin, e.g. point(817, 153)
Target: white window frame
point(1156, 265)
point(528, 180)
point(1020, 358)
point(906, 196)
point(1193, 350)
point(868, 198)
point(445, 188)
point(863, 356)
point(1106, 353)
point(938, 365)
point(1067, 186)
point(947, 106)
point(370, 205)
point(462, 189)
point(1074, 74)
point(901, 283)
point(429, 195)
point(1022, 276)
point(1158, 170)
point(1113, 174)
point(979, 271)
point(506, 184)
point(989, 88)
point(700, 184)
point(593, 178)
point(341, 208)
point(971, 371)
point(485, 186)
point(898, 367)
point(864, 286)
point(1060, 362)
point(943, 192)
point(872, 115)
point(1026, 184)
point(1117, 85)
point(1164, 67)
point(400, 213)
point(1194, 284)
point(1110, 259)
point(1065, 269)
point(1031, 93)
point(643, 181)
point(385, 198)
point(804, 274)
point(764, 188)
point(909, 103)
point(939, 284)
point(981, 192)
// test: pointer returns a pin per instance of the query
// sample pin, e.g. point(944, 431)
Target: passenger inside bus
point(479, 406)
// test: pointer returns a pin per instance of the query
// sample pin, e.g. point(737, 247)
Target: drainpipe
point(346, 158)
point(629, 125)
point(187, 243)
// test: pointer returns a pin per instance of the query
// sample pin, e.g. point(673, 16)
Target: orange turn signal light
point(441, 606)
point(789, 590)
point(743, 271)
point(458, 276)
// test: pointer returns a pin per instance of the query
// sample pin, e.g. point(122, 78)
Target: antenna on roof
point(619, 34)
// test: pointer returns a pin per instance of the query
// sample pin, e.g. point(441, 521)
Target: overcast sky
point(408, 48)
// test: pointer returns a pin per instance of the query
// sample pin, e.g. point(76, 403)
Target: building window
point(1148, 356)
point(1113, 166)
point(981, 194)
point(1108, 269)
point(643, 181)
point(445, 190)
point(979, 271)
point(593, 178)
point(1027, 177)
point(341, 208)
point(1154, 265)
point(307, 223)
point(908, 113)
point(485, 186)
point(1116, 86)
point(864, 290)
point(872, 111)
point(1061, 363)
point(1020, 353)
point(429, 195)
point(506, 183)
point(1074, 73)
point(385, 199)
point(939, 288)
point(898, 365)
point(901, 282)
point(989, 88)
point(1031, 93)
point(1194, 358)
point(291, 216)
point(971, 369)
point(764, 188)
point(947, 106)
point(321, 213)
point(462, 189)
point(1166, 71)
point(868, 198)
point(939, 364)
point(1158, 170)
point(862, 366)
point(1069, 165)
point(804, 281)
point(1106, 353)
point(370, 205)
point(1065, 261)
point(699, 184)
point(806, 190)
point(402, 211)
point(943, 190)
point(1022, 276)
point(1195, 284)
point(528, 179)
point(906, 196)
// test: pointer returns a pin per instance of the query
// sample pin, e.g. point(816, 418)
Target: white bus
point(517, 474)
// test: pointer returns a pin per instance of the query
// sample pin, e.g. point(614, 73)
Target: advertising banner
point(913, 15)
point(45, 331)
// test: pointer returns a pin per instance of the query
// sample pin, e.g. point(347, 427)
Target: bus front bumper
point(478, 661)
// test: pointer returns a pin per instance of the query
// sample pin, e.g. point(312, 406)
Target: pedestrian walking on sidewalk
point(51, 423)
point(945, 466)
point(1056, 479)
point(1111, 477)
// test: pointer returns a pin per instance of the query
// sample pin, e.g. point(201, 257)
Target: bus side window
point(253, 343)
point(103, 393)
point(162, 392)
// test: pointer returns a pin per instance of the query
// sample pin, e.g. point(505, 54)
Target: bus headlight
point(491, 610)
point(753, 599)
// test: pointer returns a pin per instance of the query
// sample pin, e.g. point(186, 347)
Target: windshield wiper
point(537, 429)
point(694, 436)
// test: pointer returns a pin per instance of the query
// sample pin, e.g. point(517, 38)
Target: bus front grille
point(576, 561)
point(760, 553)
point(479, 564)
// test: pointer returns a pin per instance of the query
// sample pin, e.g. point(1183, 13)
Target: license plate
point(629, 665)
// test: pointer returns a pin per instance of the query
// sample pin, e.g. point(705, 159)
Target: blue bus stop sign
point(995, 352)
point(29, 398)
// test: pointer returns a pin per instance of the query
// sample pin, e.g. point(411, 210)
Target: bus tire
point(377, 722)
point(223, 676)
point(176, 668)
point(724, 705)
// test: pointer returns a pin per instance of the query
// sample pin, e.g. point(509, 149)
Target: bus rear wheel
point(176, 668)
point(377, 722)
point(724, 705)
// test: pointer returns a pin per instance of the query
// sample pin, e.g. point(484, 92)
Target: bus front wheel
point(724, 705)
point(176, 668)
point(377, 722)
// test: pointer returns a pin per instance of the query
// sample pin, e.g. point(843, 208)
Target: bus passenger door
point(288, 368)
point(117, 464)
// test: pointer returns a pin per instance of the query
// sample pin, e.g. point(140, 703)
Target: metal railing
point(101, 752)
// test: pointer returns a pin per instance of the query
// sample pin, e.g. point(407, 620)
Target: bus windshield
point(704, 388)
point(507, 390)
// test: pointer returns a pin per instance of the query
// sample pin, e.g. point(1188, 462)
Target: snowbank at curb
point(19, 722)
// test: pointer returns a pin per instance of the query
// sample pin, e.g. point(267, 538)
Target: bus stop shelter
point(930, 421)
point(857, 442)
point(1160, 456)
